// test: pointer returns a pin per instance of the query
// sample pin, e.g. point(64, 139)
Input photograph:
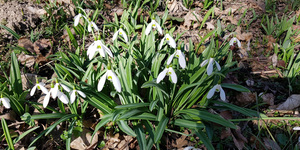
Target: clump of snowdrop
point(217, 88)
point(181, 57)
point(39, 86)
point(169, 41)
point(122, 33)
point(5, 101)
point(111, 76)
point(153, 25)
point(73, 94)
point(98, 46)
point(167, 71)
point(210, 62)
point(235, 40)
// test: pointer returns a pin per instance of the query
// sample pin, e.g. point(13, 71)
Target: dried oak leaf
point(189, 18)
point(26, 60)
point(83, 141)
point(268, 98)
point(245, 98)
point(292, 102)
point(41, 45)
point(26, 43)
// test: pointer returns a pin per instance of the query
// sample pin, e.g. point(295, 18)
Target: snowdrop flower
point(191, 148)
point(235, 40)
point(217, 88)
point(169, 40)
point(296, 128)
point(179, 54)
point(39, 86)
point(98, 46)
point(92, 24)
point(210, 65)
point(55, 92)
point(5, 101)
point(73, 94)
point(155, 25)
point(56, 89)
point(111, 76)
point(167, 71)
point(122, 33)
point(77, 18)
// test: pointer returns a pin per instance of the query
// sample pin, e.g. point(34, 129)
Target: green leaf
point(134, 105)
point(24, 134)
point(153, 104)
point(104, 120)
point(204, 139)
point(188, 123)
point(10, 31)
point(71, 36)
point(160, 128)
point(207, 116)
point(68, 141)
point(125, 128)
point(130, 113)
point(235, 87)
point(64, 118)
point(15, 75)
point(7, 134)
point(27, 118)
point(141, 137)
point(144, 116)
point(154, 84)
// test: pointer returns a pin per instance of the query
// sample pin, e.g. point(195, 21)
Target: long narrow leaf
point(7, 134)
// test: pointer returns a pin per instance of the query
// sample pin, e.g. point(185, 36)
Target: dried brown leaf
point(83, 141)
point(292, 102)
point(189, 18)
point(270, 144)
point(26, 43)
point(245, 98)
point(41, 45)
point(26, 60)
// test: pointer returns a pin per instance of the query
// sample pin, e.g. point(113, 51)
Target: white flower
point(169, 40)
point(210, 65)
point(62, 97)
point(73, 95)
point(77, 18)
point(92, 24)
point(235, 40)
point(167, 71)
point(120, 32)
point(217, 88)
point(55, 92)
point(56, 89)
point(39, 86)
point(111, 76)
point(98, 46)
point(180, 57)
point(5, 101)
point(191, 148)
point(153, 24)
point(296, 128)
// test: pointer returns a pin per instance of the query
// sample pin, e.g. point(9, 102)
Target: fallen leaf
point(26, 43)
point(26, 60)
point(292, 102)
point(209, 26)
point(226, 114)
point(238, 139)
point(245, 98)
point(268, 98)
point(180, 142)
point(41, 45)
point(175, 6)
point(270, 144)
point(249, 82)
point(189, 18)
point(36, 10)
point(274, 60)
point(11, 115)
point(83, 141)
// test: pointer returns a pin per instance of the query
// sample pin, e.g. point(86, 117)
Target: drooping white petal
point(222, 93)
point(212, 92)
point(5, 102)
point(55, 91)
point(173, 75)
point(76, 19)
point(124, 35)
point(92, 50)
point(101, 51)
point(63, 97)
point(204, 63)
point(239, 43)
point(65, 87)
point(115, 80)
point(149, 28)
point(107, 50)
point(72, 96)
point(162, 75)
point(46, 100)
point(210, 66)
point(233, 40)
point(89, 27)
point(218, 66)
point(102, 82)
point(116, 35)
point(161, 43)
point(171, 41)
point(158, 27)
point(296, 128)
point(51, 92)
point(44, 90)
point(181, 56)
point(33, 90)
point(95, 26)
point(170, 59)
point(81, 93)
